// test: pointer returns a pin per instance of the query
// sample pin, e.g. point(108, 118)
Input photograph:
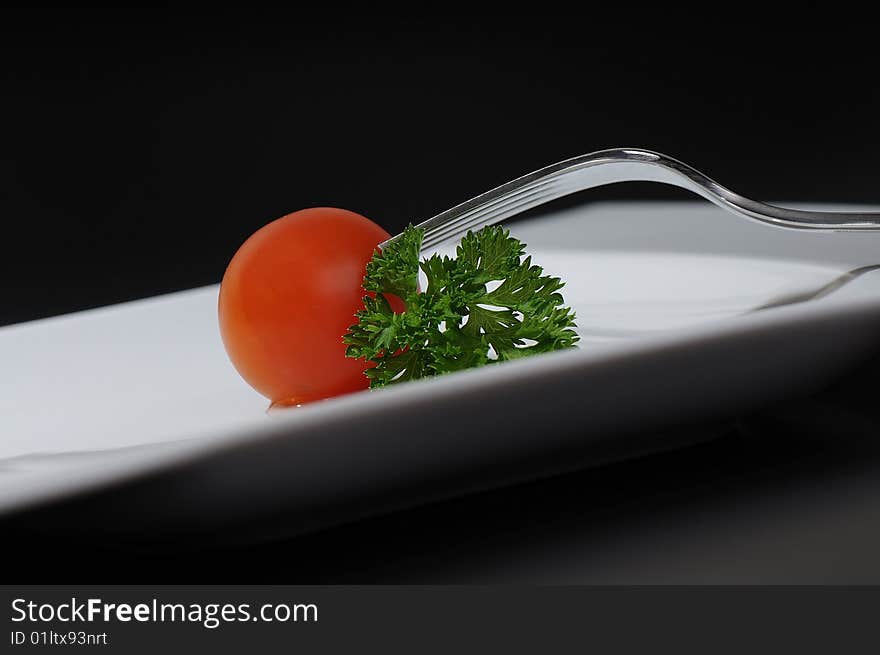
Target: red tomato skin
point(289, 295)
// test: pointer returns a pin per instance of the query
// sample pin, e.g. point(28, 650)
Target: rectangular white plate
point(137, 403)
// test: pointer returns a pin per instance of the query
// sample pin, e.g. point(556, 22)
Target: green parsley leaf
point(486, 305)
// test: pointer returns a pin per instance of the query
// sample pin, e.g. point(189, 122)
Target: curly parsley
point(486, 305)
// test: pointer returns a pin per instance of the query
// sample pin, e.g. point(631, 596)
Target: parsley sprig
point(486, 305)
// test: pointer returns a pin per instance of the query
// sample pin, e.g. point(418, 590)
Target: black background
point(142, 146)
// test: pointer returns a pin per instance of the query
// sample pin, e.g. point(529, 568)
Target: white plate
point(139, 399)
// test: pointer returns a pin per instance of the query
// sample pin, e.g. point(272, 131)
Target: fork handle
point(620, 165)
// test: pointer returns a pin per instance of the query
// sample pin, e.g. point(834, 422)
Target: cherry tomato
point(288, 296)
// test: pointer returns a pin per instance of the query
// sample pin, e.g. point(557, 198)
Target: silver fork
point(620, 165)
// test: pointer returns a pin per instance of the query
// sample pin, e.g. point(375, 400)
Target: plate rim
point(165, 455)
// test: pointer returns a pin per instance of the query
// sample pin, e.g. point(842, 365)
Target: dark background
point(142, 146)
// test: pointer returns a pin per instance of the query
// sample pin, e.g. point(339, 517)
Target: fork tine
point(494, 212)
